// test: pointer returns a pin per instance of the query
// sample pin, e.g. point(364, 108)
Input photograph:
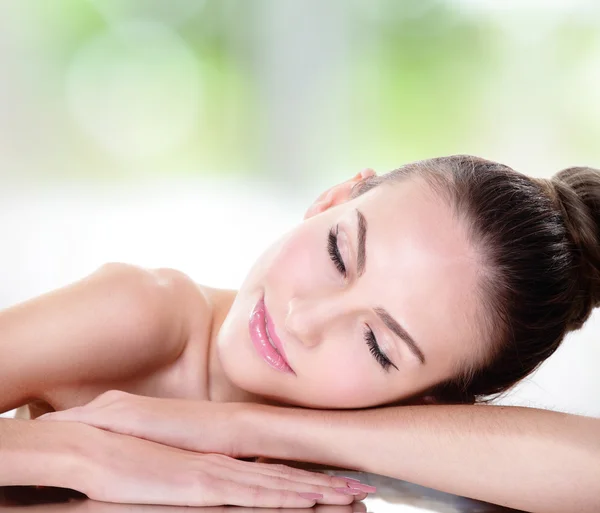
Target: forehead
point(421, 267)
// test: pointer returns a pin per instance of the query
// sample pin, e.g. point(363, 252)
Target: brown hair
point(539, 243)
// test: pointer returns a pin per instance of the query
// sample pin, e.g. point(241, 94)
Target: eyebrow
point(383, 314)
point(395, 326)
point(361, 255)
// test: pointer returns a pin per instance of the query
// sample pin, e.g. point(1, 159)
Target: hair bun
point(577, 192)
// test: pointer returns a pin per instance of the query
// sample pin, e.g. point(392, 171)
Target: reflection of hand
point(124, 469)
point(90, 506)
point(201, 426)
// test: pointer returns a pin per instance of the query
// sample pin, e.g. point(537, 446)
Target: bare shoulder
point(120, 323)
point(166, 285)
point(168, 292)
point(191, 299)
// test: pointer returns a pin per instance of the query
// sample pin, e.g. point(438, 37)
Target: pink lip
point(274, 356)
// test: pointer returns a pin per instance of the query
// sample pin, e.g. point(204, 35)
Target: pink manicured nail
point(351, 479)
point(311, 496)
point(363, 487)
point(348, 491)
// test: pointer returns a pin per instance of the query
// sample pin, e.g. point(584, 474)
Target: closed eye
point(376, 351)
point(336, 257)
point(334, 251)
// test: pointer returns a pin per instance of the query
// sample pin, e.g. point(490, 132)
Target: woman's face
point(371, 300)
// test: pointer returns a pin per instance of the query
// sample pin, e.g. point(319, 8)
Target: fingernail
point(311, 496)
point(352, 480)
point(363, 487)
point(348, 491)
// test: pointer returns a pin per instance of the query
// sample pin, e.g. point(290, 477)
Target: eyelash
point(336, 258)
point(334, 251)
point(375, 350)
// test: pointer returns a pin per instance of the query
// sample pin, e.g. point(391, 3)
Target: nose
point(308, 319)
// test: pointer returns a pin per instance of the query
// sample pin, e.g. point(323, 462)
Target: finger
point(242, 509)
point(253, 496)
point(339, 483)
point(271, 469)
point(327, 495)
point(328, 508)
point(359, 507)
point(93, 506)
point(360, 490)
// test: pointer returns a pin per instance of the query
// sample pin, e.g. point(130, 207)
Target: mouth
point(265, 339)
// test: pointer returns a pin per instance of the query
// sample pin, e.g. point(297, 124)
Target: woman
point(445, 281)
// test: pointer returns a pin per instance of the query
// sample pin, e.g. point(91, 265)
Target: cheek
point(298, 258)
point(342, 379)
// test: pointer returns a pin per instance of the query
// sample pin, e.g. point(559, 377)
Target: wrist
point(72, 456)
point(246, 437)
point(273, 432)
point(45, 453)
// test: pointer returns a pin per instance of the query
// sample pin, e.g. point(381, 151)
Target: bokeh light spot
point(135, 89)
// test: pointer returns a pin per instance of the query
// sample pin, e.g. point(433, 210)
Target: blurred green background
point(193, 133)
point(292, 92)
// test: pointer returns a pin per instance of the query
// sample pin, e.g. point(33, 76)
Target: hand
point(123, 469)
point(194, 425)
point(91, 506)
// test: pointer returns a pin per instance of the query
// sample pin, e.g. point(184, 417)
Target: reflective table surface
point(392, 495)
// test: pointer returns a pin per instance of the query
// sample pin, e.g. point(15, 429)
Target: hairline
point(445, 187)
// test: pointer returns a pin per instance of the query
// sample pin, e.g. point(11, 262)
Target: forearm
point(524, 458)
point(35, 453)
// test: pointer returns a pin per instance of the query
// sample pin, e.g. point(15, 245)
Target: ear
point(337, 194)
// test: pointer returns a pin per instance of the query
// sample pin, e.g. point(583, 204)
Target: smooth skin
point(157, 336)
point(122, 469)
point(123, 326)
point(416, 270)
point(524, 458)
point(90, 506)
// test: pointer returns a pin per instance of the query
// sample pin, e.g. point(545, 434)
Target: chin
point(277, 400)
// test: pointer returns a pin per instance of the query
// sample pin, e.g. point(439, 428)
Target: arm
point(46, 455)
point(86, 459)
point(524, 458)
point(117, 323)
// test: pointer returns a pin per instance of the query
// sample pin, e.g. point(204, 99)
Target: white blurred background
point(192, 133)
